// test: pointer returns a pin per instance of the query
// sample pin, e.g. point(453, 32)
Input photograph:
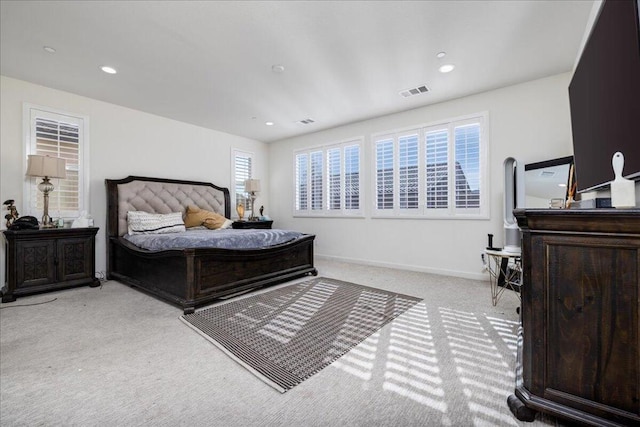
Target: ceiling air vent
point(414, 91)
point(306, 121)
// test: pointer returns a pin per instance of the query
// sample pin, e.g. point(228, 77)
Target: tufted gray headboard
point(157, 195)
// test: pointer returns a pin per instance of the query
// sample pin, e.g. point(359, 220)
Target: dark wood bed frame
point(191, 278)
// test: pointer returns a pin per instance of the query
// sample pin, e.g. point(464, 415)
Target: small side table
point(48, 259)
point(505, 271)
point(243, 225)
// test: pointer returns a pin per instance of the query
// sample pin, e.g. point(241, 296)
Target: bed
point(191, 277)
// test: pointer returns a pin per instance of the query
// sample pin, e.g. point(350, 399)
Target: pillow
point(140, 222)
point(212, 220)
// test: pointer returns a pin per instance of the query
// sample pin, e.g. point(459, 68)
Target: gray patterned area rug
point(286, 335)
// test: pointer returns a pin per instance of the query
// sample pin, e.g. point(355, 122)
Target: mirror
point(546, 183)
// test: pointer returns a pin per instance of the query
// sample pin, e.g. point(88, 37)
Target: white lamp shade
point(252, 185)
point(52, 167)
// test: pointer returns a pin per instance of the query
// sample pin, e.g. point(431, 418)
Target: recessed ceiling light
point(269, 123)
point(440, 54)
point(278, 68)
point(49, 49)
point(108, 70)
point(447, 68)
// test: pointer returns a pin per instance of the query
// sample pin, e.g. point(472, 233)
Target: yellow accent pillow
point(212, 220)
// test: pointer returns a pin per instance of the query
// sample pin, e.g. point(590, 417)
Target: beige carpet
point(115, 356)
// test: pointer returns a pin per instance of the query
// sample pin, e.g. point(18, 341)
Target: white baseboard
point(454, 273)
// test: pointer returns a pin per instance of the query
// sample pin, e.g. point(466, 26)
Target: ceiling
point(210, 63)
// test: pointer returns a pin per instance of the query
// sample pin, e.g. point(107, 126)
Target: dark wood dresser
point(579, 344)
point(48, 259)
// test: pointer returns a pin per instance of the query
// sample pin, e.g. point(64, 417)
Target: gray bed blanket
point(222, 239)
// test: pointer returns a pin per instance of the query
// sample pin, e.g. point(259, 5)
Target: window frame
point(30, 191)
point(326, 209)
point(422, 212)
point(233, 191)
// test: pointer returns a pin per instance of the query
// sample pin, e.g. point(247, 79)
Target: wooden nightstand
point(48, 259)
point(252, 224)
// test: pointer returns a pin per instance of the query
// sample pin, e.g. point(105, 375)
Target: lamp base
point(253, 217)
point(46, 187)
point(47, 222)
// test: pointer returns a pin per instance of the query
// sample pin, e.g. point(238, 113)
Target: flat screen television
point(604, 97)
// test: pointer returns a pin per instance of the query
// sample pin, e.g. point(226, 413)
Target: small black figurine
point(261, 211)
point(13, 212)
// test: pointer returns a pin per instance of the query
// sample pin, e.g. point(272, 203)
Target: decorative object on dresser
point(286, 335)
point(252, 186)
point(13, 212)
point(46, 167)
point(25, 223)
point(622, 190)
point(240, 210)
point(48, 259)
point(579, 345)
point(192, 276)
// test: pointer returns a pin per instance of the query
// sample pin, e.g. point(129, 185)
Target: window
point(316, 180)
point(242, 170)
point(467, 166)
point(57, 134)
point(436, 170)
point(334, 178)
point(352, 178)
point(302, 182)
point(408, 171)
point(327, 180)
point(384, 174)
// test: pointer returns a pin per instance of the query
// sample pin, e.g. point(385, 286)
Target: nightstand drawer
point(252, 224)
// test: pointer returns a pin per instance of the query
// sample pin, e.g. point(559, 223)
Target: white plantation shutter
point(302, 184)
point(334, 177)
point(434, 171)
point(327, 180)
point(467, 162)
point(316, 180)
point(352, 177)
point(384, 174)
point(437, 169)
point(408, 171)
point(58, 135)
point(242, 168)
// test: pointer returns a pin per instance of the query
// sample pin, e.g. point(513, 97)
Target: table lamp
point(46, 167)
point(252, 186)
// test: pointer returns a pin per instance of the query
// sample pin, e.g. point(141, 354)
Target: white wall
point(122, 142)
point(529, 122)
